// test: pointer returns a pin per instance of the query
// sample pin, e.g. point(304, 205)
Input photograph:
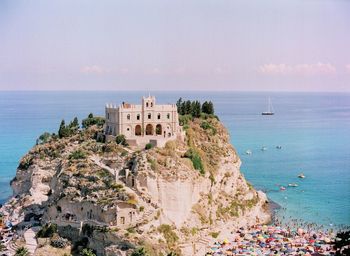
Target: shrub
point(196, 160)
point(205, 125)
point(77, 154)
point(58, 242)
point(87, 252)
point(47, 231)
point(26, 162)
point(214, 234)
point(91, 120)
point(120, 139)
point(169, 234)
point(184, 119)
point(140, 252)
point(43, 138)
point(21, 251)
point(148, 146)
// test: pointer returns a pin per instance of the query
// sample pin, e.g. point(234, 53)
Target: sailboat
point(269, 111)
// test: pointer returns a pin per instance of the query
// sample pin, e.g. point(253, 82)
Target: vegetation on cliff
point(78, 166)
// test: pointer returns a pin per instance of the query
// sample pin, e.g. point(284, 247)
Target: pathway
point(31, 243)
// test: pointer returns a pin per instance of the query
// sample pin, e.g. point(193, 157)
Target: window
point(151, 104)
point(108, 116)
point(147, 104)
point(128, 116)
point(168, 116)
point(158, 116)
point(149, 116)
point(128, 129)
point(122, 220)
point(138, 117)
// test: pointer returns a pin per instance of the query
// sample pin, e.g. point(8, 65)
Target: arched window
point(159, 129)
point(151, 104)
point(168, 116)
point(128, 116)
point(138, 117)
point(147, 104)
point(158, 116)
point(149, 116)
point(138, 130)
point(149, 129)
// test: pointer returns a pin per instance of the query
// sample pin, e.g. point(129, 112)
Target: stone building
point(142, 124)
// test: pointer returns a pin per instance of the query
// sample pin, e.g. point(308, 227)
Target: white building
point(142, 124)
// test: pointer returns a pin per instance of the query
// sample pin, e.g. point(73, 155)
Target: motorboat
point(279, 147)
point(301, 176)
point(292, 185)
point(248, 152)
point(263, 148)
point(270, 110)
point(282, 188)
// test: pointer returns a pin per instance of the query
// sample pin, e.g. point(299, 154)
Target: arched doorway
point(138, 130)
point(159, 129)
point(149, 129)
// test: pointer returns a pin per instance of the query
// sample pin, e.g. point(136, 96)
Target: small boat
point(248, 152)
point(292, 185)
point(301, 176)
point(279, 147)
point(282, 188)
point(263, 148)
point(270, 110)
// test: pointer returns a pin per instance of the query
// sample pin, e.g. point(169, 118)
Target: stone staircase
point(11, 248)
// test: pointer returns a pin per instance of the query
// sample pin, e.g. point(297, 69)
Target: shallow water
point(312, 128)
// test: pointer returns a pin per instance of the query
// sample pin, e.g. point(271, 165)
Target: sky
point(280, 45)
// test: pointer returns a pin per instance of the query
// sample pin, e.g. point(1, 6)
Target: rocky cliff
point(174, 198)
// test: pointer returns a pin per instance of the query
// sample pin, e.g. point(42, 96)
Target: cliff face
point(174, 197)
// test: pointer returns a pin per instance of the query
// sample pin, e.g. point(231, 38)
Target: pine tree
point(205, 107)
point(75, 122)
point(62, 129)
point(199, 109)
point(179, 105)
point(210, 108)
point(90, 115)
point(188, 108)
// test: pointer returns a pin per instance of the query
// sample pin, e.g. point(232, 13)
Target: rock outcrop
point(174, 198)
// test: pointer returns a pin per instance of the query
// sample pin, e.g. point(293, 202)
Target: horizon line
point(140, 90)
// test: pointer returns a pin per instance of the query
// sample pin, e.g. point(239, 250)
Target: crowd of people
point(275, 240)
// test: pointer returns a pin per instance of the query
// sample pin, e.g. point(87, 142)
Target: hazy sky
point(299, 45)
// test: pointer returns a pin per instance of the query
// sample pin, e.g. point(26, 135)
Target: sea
point(312, 129)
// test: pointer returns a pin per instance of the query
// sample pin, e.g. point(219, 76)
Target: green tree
point(21, 251)
point(196, 109)
point(90, 115)
point(75, 123)
point(63, 131)
point(188, 108)
point(43, 138)
point(179, 105)
point(210, 108)
point(205, 107)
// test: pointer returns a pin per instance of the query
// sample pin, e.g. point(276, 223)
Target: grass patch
point(169, 234)
point(77, 154)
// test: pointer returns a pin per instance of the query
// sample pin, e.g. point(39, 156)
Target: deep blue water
point(312, 128)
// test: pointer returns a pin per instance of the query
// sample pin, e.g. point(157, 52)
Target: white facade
point(145, 123)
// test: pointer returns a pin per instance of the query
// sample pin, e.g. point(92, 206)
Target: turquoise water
point(312, 128)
